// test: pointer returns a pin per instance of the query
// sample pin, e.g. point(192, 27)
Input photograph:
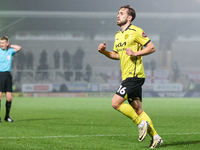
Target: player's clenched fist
point(102, 47)
point(129, 52)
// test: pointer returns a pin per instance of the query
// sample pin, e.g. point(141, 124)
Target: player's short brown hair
point(4, 38)
point(131, 11)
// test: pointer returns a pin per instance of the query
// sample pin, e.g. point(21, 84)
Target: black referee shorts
point(5, 82)
point(131, 89)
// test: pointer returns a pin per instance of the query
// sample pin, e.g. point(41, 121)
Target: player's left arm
point(149, 48)
point(17, 48)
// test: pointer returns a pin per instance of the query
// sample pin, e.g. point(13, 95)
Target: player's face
point(122, 17)
point(3, 44)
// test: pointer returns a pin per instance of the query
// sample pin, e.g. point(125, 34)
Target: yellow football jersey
point(133, 37)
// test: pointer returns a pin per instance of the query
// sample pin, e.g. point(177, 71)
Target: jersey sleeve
point(141, 37)
point(12, 51)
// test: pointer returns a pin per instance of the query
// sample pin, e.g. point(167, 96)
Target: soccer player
point(128, 48)
point(6, 53)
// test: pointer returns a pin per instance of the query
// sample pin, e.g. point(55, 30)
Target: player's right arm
point(111, 55)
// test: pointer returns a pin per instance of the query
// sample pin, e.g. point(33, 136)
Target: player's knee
point(115, 105)
point(137, 106)
point(138, 111)
point(9, 98)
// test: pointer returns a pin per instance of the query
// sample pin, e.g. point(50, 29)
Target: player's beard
point(122, 22)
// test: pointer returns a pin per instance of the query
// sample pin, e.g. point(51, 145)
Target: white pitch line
point(101, 135)
point(179, 133)
point(61, 136)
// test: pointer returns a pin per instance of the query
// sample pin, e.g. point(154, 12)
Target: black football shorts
point(131, 89)
point(5, 82)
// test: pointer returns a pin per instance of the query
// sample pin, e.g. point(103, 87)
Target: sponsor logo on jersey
point(120, 44)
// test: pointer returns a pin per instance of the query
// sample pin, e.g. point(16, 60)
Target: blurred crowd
point(72, 65)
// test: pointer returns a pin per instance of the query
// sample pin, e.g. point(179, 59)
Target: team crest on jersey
point(8, 57)
point(144, 35)
point(126, 36)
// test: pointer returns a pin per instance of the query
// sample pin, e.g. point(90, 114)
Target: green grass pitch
point(92, 124)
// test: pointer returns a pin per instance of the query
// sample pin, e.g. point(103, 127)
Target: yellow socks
point(128, 110)
point(151, 131)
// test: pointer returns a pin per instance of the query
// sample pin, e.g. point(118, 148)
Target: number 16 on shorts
point(121, 91)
